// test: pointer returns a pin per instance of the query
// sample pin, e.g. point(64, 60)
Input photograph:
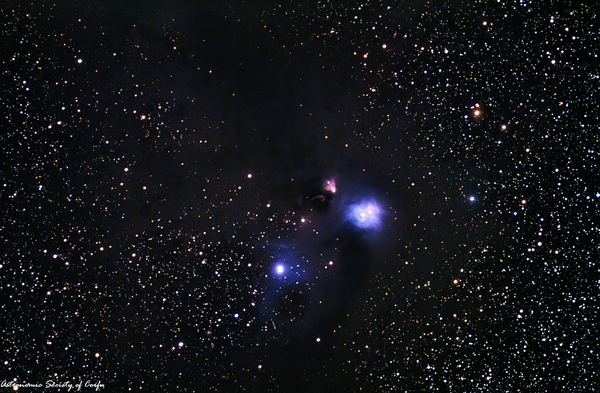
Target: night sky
point(323, 197)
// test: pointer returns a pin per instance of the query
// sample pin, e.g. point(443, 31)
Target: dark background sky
point(160, 160)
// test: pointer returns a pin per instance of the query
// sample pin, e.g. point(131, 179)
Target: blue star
point(279, 269)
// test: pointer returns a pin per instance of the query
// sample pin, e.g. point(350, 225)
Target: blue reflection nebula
point(365, 214)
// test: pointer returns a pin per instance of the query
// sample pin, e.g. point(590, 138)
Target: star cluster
point(334, 196)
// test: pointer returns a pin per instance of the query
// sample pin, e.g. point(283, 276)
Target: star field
point(335, 196)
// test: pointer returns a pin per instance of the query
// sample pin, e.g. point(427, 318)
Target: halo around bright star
point(365, 214)
point(279, 269)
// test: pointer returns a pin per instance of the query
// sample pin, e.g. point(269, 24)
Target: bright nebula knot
point(365, 214)
point(330, 186)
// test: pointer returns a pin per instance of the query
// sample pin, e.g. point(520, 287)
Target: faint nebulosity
point(327, 196)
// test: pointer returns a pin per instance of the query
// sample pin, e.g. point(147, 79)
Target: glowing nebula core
point(365, 214)
point(330, 186)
